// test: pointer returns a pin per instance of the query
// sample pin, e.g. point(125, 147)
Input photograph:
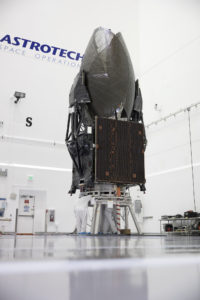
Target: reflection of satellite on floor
point(105, 131)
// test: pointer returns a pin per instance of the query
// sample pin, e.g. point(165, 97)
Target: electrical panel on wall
point(3, 172)
point(2, 206)
point(51, 215)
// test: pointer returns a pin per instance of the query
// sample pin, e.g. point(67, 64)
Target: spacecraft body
point(105, 132)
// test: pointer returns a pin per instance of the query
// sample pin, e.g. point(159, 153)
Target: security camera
point(18, 96)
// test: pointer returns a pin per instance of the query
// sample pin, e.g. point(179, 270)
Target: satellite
point(105, 131)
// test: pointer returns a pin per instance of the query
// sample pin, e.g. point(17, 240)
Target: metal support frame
point(96, 218)
point(126, 217)
point(134, 219)
point(122, 202)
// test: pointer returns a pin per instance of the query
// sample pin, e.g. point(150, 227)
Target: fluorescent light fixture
point(14, 165)
point(172, 170)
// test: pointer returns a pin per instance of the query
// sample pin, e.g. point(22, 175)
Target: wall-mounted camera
point(18, 96)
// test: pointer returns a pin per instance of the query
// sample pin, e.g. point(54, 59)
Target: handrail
point(188, 108)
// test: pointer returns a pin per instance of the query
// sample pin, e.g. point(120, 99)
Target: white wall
point(168, 168)
point(169, 34)
point(163, 38)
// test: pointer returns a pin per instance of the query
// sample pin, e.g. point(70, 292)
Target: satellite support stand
point(134, 218)
point(125, 202)
point(96, 218)
point(126, 217)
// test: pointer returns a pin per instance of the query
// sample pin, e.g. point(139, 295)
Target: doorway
point(30, 216)
point(25, 215)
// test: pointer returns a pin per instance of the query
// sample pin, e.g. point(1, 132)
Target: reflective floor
point(104, 267)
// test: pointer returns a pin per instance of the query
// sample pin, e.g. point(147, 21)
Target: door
point(26, 212)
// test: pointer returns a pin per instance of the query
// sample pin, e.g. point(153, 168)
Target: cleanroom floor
point(99, 267)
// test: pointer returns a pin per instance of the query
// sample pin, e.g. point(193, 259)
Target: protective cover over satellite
point(105, 87)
